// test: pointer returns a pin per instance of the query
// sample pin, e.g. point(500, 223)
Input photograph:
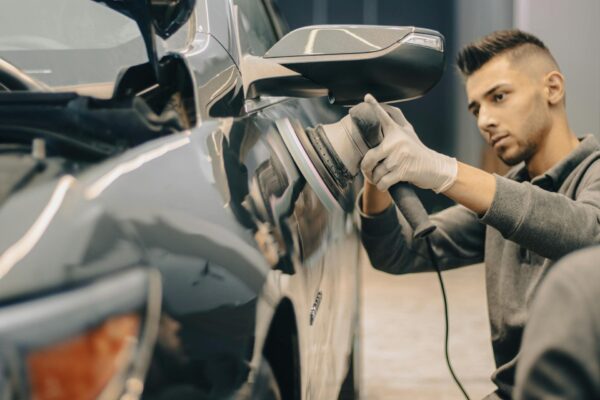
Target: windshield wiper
point(100, 128)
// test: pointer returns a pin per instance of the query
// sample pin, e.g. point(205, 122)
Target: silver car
point(161, 234)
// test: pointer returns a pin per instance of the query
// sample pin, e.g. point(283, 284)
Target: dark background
point(432, 116)
point(441, 118)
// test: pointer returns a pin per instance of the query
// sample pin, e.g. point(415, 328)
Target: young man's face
point(512, 113)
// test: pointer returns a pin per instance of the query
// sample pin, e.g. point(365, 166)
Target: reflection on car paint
point(18, 250)
point(241, 241)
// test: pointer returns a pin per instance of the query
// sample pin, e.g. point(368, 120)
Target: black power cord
point(446, 318)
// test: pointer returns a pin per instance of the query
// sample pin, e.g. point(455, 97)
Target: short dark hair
point(475, 55)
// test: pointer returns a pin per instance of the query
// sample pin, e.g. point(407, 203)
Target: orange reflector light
point(81, 367)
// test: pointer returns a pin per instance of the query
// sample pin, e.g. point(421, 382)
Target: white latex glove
point(401, 157)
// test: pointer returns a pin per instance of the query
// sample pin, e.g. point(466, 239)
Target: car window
point(62, 25)
point(255, 28)
point(71, 25)
point(74, 42)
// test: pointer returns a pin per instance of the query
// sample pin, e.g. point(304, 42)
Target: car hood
point(126, 211)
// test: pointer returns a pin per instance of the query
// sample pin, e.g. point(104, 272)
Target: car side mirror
point(169, 16)
point(345, 62)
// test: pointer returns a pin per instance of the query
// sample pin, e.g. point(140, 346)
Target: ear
point(554, 84)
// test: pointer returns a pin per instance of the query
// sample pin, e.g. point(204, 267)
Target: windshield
point(62, 25)
point(70, 42)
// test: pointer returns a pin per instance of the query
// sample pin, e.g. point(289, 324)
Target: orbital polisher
point(336, 151)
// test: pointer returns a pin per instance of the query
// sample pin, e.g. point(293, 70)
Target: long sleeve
point(549, 224)
point(458, 240)
point(559, 356)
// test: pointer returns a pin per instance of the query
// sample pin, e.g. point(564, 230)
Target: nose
point(486, 121)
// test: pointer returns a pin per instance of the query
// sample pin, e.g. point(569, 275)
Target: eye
point(475, 112)
point(498, 97)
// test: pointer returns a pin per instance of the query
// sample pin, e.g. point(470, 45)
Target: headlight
point(81, 367)
point(91, 342)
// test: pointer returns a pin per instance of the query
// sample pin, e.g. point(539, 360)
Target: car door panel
point(330, 293)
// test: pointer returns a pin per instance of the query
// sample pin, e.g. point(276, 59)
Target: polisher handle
point(411, 207)
point(403, 193)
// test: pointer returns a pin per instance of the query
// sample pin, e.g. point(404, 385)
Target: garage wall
point(474, 18)
point(433, 115)
point(440, 118)
point(571, 30)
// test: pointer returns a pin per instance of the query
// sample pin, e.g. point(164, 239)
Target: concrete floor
point(403, 335)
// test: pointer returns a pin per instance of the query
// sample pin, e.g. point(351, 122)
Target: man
point(547, 206)
point(560, 355)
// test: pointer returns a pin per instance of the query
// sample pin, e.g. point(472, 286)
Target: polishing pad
point(324, 172)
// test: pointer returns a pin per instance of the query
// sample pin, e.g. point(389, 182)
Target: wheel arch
point(282, 351)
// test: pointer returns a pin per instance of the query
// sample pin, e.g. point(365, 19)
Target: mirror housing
point(345, 62)
point(165, 16)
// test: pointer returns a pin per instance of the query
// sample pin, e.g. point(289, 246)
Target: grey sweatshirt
point(530, 224)
point(560, 355)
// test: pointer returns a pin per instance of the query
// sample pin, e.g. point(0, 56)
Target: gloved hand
point(401, 157)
